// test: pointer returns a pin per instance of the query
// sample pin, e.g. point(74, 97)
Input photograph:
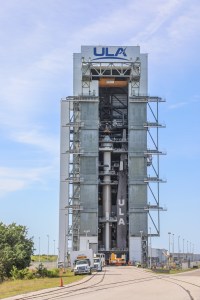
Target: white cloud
point(170, 34)
point(12, 179)
point(11, 185)
point(177, 105)
point(194, 99)
point(162, 28)
point(159, 12)
point(36, 138)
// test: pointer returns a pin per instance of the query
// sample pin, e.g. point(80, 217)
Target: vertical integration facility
point(109, 161)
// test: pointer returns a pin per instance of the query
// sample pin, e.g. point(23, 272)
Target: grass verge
point(11, 288)
point(180, 271)
point(43, 258)
point(172, 271)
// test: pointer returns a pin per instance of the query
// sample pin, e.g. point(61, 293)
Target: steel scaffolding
point(113, 135)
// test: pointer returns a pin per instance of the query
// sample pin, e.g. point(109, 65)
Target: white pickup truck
point(82, 266)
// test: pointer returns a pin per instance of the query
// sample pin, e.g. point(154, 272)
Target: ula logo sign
point(104, 53)
point(121, 204)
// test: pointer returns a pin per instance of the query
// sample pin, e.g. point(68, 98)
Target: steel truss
point(74, 207)
point(126, 70)
point(131, 71)
point(153, 157)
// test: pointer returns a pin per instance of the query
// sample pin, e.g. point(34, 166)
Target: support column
point(107, 193)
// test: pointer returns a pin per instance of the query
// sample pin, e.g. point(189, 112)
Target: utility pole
point(169, 233)
point(39, 249)
point(150, 256)
point(179, 248)
point(87, 241)
point(141, 233)
point(54, 248)
point(47, 247)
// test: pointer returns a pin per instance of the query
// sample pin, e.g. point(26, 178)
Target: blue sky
point(38, 39)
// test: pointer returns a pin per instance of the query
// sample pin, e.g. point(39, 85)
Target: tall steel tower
point(109, 155)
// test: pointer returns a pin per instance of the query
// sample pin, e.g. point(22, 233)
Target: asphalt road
point(121, 283)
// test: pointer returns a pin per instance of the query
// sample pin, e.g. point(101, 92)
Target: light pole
point(169, 241)
point(183, 248)
point(192, 252)
point(47, 247)
point(179, 248)
point(54, 248)
point(65, 243)
point(39, 249)
point(141, 233)
point(173, 245)
point(86, 234)
point(54, 251)
point(150, 256)
point(169, 233)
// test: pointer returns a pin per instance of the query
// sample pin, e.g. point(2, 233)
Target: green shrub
point(41, 271)
point(53, 273)
point(30, 275)
point(2, 272)
point(18, 274)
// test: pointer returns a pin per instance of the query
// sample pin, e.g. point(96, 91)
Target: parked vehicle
point(82, 267)
point(97, 264)
point(117, 261)
point(102, 257)
point(82, 261)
